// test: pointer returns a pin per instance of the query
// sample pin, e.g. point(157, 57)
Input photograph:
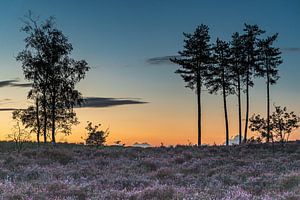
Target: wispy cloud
point(7, 83)
point(93, 102)
point(161, 60)
point(13, 83)
point(21, 85)
point(291, 49)
point(5, 101)
point(100, 102)
point(7, 109)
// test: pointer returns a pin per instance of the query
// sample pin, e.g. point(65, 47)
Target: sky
point(126, 43)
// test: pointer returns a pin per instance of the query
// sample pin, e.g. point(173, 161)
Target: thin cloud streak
point(161, 60)
point(7, 109)
point(7, 83)
point(21, 85)
point(101, 102)
point(96, 102)
point(14, 83)
point(291, 49)
point(5, 101)
point(166, 59)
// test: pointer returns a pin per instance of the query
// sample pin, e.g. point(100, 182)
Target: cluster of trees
point(46, 62)
point(222, 67)
point(229, 68)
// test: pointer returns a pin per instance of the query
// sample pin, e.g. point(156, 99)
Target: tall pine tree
point(270, 59)
point(238, 72)
point(250, 36)
point(194, 61)
point(219, 77)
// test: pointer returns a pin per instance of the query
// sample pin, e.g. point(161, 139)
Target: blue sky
point(118, 37)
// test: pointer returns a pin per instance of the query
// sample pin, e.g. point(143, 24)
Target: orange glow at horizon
point(141, 123)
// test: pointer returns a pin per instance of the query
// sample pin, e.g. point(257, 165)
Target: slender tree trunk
point(199, 107)
point(225, 111)
point(247, 107)
point(268, 107)
point(45, 116)
point(53, 118)
point(226, 119)
point(199, 117)
point(37, 121)
point(288, 136)
point(240, 110)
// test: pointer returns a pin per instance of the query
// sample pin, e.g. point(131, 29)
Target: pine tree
point(194, 61)
point(219, 77)
point(238, 72)
point(269, 61)
point(250, 46)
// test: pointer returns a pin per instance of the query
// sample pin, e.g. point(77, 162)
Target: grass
point(69, 171)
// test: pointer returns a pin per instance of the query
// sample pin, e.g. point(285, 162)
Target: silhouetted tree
point(269, 61)
point(35, 62)
point(194, 61)
point(38, 124)
point(250, 36)
point(238, 72)
point(34, 118)
point(258, 124)
point(220, 77)
point(28, 119)
point(281, 124)
point(19, 134)
point(46, 62)
point(95, 137)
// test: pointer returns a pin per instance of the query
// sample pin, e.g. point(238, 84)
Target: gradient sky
point(117, 38)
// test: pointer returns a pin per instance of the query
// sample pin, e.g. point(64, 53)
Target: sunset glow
point(124, 45)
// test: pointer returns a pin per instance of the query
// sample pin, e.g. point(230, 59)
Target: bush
point(95, 137)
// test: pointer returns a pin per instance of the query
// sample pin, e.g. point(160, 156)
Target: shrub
point(19, 133)
point(95, 136)
point(282, 124)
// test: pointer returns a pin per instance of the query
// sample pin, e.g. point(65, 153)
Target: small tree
point(19, 133)
point(95, 137)
point(282, 124)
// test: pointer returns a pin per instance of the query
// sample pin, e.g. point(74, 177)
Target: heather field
point(183, 172)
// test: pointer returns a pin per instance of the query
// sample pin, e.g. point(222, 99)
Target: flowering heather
point(184, 172)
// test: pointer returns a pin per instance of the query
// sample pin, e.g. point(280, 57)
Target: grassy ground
point(81, 172)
